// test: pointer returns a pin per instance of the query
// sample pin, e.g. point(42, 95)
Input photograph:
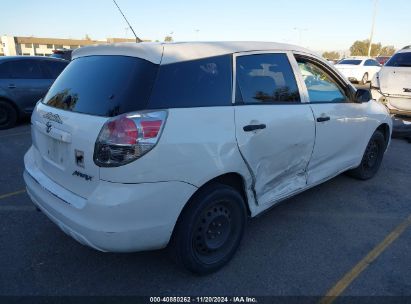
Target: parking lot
point(305, 246)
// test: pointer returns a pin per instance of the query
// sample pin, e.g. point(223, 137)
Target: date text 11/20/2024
point(203, 300)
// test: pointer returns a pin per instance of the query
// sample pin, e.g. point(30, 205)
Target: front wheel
point(372, 158)
point(210, 229)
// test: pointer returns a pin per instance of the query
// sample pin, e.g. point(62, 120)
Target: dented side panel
point(278, 155)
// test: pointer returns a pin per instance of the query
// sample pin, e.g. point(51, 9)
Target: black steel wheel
point(210, 229)
point(372, 158)
point(371, 154)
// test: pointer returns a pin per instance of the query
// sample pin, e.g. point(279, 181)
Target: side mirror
point(362, 95)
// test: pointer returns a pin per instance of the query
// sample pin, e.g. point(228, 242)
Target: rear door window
point(103, 85)
point(204, 82)
point(265, 78)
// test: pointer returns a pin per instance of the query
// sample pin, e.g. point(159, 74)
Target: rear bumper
point(399, 112)
point(116, 217)
point(395, 104)
point(399, 105)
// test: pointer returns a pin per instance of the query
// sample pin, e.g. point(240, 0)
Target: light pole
point(372, 27)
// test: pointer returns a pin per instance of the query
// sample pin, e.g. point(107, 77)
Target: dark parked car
point(382, 59)
point(62, 54)
point(23, 81)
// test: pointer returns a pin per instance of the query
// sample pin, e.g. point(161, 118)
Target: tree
point(168, 39)
point(87, 37)
point(360, 48)
point(388, 50)
point(331, 55)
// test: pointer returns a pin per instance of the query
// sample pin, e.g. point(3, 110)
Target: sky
point(317, 24)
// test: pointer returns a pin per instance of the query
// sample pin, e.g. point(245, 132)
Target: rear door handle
point(12, 86)
point(323, 118)
point(251, 128)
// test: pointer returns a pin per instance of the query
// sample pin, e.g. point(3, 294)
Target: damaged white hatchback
point(140, 146)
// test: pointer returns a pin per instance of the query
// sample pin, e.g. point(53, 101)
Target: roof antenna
point(121, 12)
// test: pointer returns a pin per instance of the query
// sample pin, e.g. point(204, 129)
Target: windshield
point(400, 60)
point(103, 85)
point(350, 61)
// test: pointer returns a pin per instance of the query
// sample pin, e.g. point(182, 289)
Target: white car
point(358, 69)
point(392, 85)
point(137, 146)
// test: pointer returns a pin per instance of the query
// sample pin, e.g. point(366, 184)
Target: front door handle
point(12, 86)
point(323, 118)
point(251, 128)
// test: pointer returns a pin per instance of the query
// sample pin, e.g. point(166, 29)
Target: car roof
point(405, 50)
point(358, 58)
point(14, 58)
point(166, 53)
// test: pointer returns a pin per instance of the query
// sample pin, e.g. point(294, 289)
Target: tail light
point(125, 138)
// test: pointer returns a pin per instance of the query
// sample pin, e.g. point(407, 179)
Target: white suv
point(137, 146)
point(392, 85)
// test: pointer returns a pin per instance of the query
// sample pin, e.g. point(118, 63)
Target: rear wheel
point(8, 115)
point(364, 79)
point(210, 229)
point(372, 158)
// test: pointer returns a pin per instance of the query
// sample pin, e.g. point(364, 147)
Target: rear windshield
point(103, 85)
point(350, 61)
point(400, 60)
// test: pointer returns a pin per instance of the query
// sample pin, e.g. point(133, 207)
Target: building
point(33, 46)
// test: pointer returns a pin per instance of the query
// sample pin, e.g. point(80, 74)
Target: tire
point(209, 229)
point(372, 158)
point(364, 79)
point(8, 115)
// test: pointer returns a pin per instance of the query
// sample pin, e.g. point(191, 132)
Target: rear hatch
point(395, 81)
point(63, 143)
point(395, 76)
point(66, 124)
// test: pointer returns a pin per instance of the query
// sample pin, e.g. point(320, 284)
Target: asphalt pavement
point(303, 247)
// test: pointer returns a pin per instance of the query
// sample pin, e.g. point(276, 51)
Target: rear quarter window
point(198, 83)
